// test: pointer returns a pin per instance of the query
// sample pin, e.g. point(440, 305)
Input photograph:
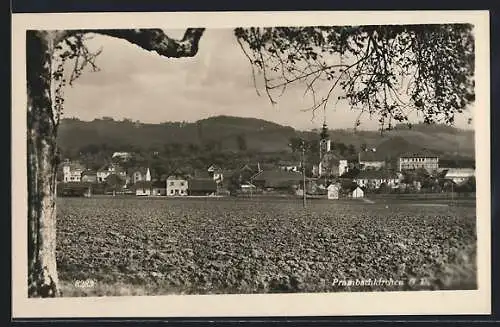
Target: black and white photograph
point(341, 156)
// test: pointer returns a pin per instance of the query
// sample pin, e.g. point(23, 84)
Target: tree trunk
point(42, 164)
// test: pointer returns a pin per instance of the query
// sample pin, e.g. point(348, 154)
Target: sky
point(140, 85)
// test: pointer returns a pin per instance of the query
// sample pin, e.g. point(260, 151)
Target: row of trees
point(174, 149)
point(312, 146)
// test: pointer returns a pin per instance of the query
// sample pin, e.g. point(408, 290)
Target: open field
point(158, 246)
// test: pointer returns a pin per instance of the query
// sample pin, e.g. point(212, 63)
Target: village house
point(343, 167)
point(141, 174)
point(370, 160)
point(412, 161)
point(89, 176)
point(110, 169)
point(158, 188)
point(216, 173)
point(176, 185)
point(277, 180)
point(375, 178)
point(333, 191)
point(72, 172)
point(356, 192)
point(459, 175)
point(202, 187)
point(143, 188)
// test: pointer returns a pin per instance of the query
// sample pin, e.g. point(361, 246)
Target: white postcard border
point(362, 303)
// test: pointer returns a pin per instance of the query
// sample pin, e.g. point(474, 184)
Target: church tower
point(324, 143)
point(324, 147)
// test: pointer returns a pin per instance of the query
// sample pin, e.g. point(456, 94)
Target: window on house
point(171, 191)
point(182, 183)
point(171, 183)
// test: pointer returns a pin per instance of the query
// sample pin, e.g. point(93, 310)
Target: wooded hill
point(234, 134)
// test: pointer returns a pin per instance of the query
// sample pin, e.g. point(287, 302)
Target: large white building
point(412, 161)
point(177, 186)
point(72, 172)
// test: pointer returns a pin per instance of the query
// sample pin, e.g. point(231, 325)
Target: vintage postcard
point(250, 164)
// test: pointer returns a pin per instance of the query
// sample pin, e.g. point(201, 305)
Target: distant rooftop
point(419, 154)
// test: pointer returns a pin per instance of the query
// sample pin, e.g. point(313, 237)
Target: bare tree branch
point(151, 40)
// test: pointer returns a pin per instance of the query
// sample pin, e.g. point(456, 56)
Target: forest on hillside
point(233, 141)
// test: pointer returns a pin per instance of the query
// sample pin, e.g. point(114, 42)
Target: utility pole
point(304, 172)
point(452, 191)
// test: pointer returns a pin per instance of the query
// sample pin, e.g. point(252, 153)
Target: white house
point(375, 178)
point(460, 175)
point(111, 169)
point(143, 188)
point(343, 167)
point(333, 191)
point(141, 174)
point(357, 193)
point(158, 188)
point(72, 172)
point(177, 186)
point(411, 161)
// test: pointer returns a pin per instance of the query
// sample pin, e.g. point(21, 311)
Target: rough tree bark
point(42, 159)
point(42, 272)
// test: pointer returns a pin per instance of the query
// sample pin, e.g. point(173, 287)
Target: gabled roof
point(334, 185)
point(176, 177)
point(202, 184)
point(354, 187)
point(159, 184)
point(419, 154)
point(143, 184)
